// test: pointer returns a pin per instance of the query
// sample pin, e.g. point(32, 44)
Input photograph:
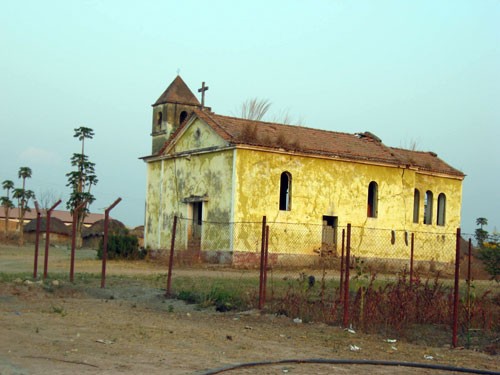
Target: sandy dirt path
point(130, 328)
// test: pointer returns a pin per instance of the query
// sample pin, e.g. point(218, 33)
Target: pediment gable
point(195, 135)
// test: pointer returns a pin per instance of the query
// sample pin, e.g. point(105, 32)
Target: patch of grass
point(188, 296)
point(86, 278)
point(302, 298)
point(10, 277)
point(224, 294)
point(59, 310)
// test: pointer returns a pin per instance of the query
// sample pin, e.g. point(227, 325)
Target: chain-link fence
point(373, 279)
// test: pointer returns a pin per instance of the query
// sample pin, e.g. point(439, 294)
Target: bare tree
point(284, 117)
point(411, 145)
point(257, 109)
point(254, 109)
point(47, 198)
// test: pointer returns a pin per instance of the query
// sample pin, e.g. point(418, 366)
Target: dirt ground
point(58, 327)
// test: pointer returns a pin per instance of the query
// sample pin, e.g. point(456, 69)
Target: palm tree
point(481, 221)
point(6, 202)
point(481, 234)
point(81, 133)
point(17, 193)
point(81, 178)
point(23, 173)
point(7, 185)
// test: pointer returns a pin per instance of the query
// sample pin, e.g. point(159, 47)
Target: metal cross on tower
point(202, 90)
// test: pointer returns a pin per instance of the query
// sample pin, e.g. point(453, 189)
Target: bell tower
point(170, 110)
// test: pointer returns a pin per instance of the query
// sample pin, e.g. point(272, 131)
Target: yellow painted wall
point(173, 180)
point(338, 188)
point(320, 187)
point(197, 136)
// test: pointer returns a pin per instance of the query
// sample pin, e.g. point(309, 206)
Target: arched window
point(182, 117)
point(159, 118)
point(285, 191)
point(416, 205)
point(441, 211)
point(372, 199)
point(428, 207)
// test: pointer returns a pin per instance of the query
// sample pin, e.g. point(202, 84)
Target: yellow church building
point(209, 168)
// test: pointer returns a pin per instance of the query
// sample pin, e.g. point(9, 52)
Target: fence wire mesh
point(378, 280)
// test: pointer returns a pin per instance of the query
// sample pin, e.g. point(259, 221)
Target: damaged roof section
point(365, 147)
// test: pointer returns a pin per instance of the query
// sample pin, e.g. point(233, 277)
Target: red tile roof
point(364, 147)
point(425, 160)
point(178, 92)
point(64, 216)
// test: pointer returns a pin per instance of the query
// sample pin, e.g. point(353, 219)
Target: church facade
point(206, 167)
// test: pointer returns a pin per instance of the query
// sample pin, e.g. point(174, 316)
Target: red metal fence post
point(469, 279)
point(105, 241)
point(469, 264)
point(73, 243)
point(412, 249)
point(346, 282)
point(266, 254)
point(171, 258)
point(47, 238)
point(454, 341)
point(73, 239)
point(37, 239)
point(262, 259)
point(342, 263)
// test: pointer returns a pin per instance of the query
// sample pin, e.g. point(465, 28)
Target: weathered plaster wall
point(152, 223)
point(336, 188)
point(197, 136)
point(200, 166)
point(176, 180)
point(170, 120)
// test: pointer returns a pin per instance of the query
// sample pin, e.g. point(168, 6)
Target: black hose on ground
point(350, 362)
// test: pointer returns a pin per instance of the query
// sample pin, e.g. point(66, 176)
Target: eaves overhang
point(342, 158)
point(186, 154)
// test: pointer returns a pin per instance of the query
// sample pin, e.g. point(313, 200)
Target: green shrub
point(122, 246)
point(490, 255)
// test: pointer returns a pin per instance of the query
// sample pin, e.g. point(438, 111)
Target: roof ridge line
point(281, 124)
point(215, 122)
point(407, 149)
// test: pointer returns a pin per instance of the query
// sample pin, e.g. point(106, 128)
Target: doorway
point(195, 226)
point(329, 236)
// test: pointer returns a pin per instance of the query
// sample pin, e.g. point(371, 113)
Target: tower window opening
point(285, 191)
point(416, 205)
point(428, 207)
point(372, 210)
point(441, 209)
point(182, 117)
point(159, 118)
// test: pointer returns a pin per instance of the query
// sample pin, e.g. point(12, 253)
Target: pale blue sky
point(420, 71)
